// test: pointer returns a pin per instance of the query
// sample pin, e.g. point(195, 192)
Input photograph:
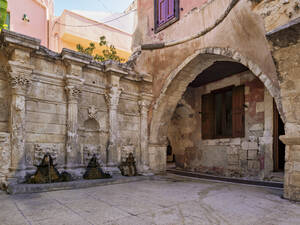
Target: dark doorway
point(279, 147)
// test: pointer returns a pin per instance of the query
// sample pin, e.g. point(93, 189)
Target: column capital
point(112, 96)
point(19, 77)
point(73, 92)
point(145, 102)
point(73, 87)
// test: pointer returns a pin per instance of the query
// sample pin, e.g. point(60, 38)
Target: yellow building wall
point(70, 41)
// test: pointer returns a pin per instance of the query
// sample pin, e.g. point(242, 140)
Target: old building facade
point(193, 50)
point(210, 83)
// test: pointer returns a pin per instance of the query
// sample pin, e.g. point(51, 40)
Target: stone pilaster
point(112, 98)
point(20, 80)
point(5, 158)
point(144, 105)
point(292, 167)
point(74, 62)
point(73, 91)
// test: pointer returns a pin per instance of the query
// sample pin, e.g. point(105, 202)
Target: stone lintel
point(20, 39)
point(290, 140)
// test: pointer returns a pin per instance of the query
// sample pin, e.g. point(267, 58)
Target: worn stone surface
point(168, 200)
point(277, 12)
point(285, 49)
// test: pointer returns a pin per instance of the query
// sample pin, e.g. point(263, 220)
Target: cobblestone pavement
point(166, 200)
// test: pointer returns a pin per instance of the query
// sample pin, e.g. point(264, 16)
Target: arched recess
point(175, 86)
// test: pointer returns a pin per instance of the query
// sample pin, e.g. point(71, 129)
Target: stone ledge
point(290, 140)
point(20, 39)
point(36, 188)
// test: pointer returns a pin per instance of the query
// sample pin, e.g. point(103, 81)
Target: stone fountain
point(128, 168)
point(94, 171)
point(47, 173)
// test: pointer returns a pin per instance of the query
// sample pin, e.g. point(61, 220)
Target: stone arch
point(178, 80)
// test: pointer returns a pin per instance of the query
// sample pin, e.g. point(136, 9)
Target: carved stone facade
point(67, 105)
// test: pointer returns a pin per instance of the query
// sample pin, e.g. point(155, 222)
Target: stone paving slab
point(164, 200)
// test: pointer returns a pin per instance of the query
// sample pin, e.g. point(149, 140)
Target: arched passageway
point(180, 105)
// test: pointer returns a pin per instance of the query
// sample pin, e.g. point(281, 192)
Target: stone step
point(226, 179)
point(277, 177)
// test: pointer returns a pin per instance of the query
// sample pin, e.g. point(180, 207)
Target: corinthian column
point(19, 80)
point(73, 90)
point(113, 154)
point(144, 104)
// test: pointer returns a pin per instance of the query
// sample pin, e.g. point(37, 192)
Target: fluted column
point(73, 90)
point(144, 105)
point(19, 81)
point(113, 153)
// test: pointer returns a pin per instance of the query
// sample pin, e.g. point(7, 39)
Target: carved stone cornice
point(18, 39)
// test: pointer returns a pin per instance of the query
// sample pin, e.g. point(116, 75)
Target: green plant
point(109, 51)
point(3, 8)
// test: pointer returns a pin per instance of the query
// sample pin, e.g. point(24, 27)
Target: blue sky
point(92, 5)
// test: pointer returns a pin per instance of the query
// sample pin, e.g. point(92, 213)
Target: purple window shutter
point(162, 9)
point(170, 9)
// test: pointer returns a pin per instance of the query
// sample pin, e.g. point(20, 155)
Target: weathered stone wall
point(230, 156)
point(276, 13)
point(285, 46)
point(69, 106)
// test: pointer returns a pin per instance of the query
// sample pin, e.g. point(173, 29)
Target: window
point(223, 113)
point(166, 12)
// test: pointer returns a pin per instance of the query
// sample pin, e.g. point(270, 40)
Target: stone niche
point(93, 139)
